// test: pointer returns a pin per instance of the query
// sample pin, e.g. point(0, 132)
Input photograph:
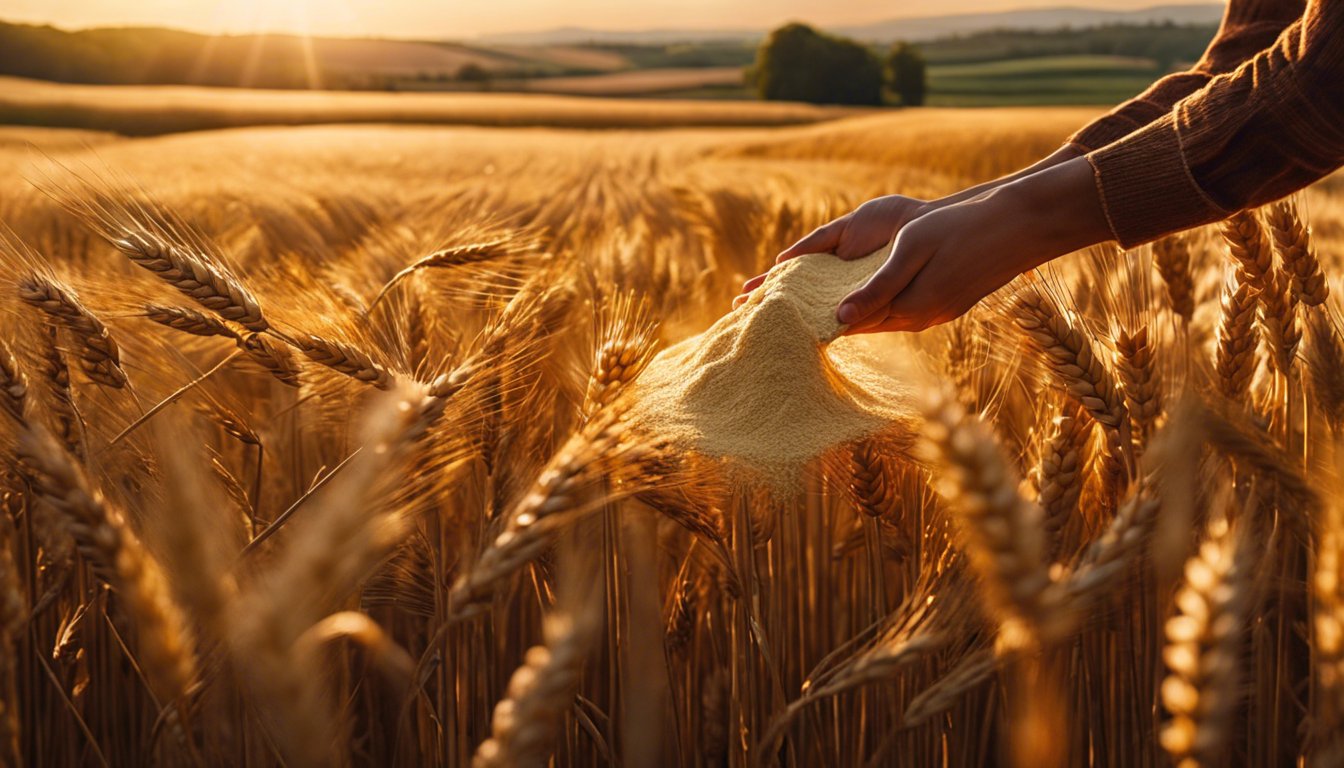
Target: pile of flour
point(764, 388)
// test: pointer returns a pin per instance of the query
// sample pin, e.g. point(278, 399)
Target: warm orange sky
point(467, 18)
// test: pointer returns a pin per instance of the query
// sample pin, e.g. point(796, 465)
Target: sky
point(458, 19)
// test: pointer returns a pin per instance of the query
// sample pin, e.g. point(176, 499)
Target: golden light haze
point(468, 18)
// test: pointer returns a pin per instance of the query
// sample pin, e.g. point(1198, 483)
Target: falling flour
point(764, 388)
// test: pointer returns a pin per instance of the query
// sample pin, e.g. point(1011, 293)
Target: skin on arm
point(874, 224)
point(947, 260)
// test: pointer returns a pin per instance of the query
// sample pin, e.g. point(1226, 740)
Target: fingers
point(823, 239)
point(753, 284)
point(894, 275)
point(740, 300)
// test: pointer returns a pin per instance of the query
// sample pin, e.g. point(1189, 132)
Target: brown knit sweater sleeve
point(1248, 27)
point(1262, 132)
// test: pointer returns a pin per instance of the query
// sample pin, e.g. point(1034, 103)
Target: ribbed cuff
point(1146, 188)
point(1104, 130)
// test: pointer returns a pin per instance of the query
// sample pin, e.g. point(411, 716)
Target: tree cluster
point(798, 63)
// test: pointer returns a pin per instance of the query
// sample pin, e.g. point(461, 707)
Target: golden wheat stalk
point(1279, 322)
point(1292, 240)
point(1006, 535)
point(107, 543)
point(345, 536)
point(276, 358)
point(1203, 649)
point(13, 614)
point(626, 337)
point(1059, 472)
point(540, 693)
point(347, 359)
point(188, 320)
point(604, 450)
point(99, 356)
point(1172, 257)
point(1070, 354)
point(455, 256)
point(1138, 374)
point(1249, 248)
point(923, 624)
point(1235, 355)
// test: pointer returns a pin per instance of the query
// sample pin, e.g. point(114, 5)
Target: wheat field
point(315, 456)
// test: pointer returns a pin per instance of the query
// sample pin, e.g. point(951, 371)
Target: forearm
point(1061, 155)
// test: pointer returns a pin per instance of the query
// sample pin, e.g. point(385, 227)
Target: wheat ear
point(1249, 248)
point(1235, 359)
point(1279, 321)
point(1293, 242)
point(1324, 355)
point(1202, 651)
point(1059, 472)
point(456, 256)
point(115, 553)
point(604, 450)
point(1172, 257)
point(99, 356)
point(347, 359)
point(1069, 352)
point(627, 336)
point(188, 320)
point(1138, 374)
point(1007, 538)
point(524, 726)
point(193, 275)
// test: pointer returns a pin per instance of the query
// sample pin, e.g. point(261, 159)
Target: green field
point(1044, 80)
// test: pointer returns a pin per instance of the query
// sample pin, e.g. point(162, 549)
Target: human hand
point(857, 233)
point(946, 261)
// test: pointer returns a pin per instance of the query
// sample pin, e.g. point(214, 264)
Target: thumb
point(823, 239)
point(889, 280)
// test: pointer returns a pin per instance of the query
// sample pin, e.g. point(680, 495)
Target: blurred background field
point(518, 581)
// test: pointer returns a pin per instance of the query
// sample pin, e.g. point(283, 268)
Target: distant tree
point(472, 73)
point(797, 63)
point(907, 74)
